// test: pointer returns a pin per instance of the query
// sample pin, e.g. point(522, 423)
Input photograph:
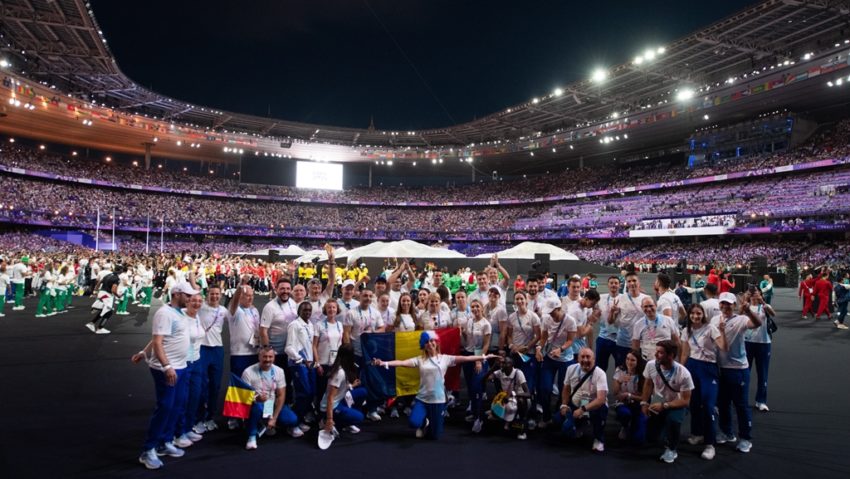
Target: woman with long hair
point(627, 388)
point(430, 404)
point(758, 343)
point(521, 337)
point(338, 405)
point(497, 316)
point(405, 315)
point(475, 336)
point(700, 342)
point(434, 317)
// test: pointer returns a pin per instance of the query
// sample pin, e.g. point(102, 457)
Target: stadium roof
point(58, 42)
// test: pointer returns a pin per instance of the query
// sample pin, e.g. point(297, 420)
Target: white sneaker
point(353, 429)
point(150, 460)
point(722, 438)
point(522, 436)
point(2, 315)
point(40, 315)
point(102, 331)
point(420, 432)
point(598, 446)
point(394, 413)
point(842, 326)
point(744, 446)
point(199, 428)
point(477, 425)
point(532, 424)
point(295, 432)
point(252, 443)
point(183, 441)
point(669, 456)
point(304, 427)
point(210, 425)
point(373, 416)
point(90, 326)
point(762, 407)
point(193, 436)
point(18, 308)
point(695, 440)
point(232, 424)
point(169, 449)
point(708, 453)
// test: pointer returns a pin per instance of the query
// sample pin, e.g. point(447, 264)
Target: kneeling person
point(269, 384)
point(584, 398)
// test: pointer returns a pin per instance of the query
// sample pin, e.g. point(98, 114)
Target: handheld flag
point(239, 398)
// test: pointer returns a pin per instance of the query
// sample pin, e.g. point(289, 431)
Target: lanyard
point(695, 336)
point(267, 387)
point(215, 320)
point(369, 322)
point(519, 323)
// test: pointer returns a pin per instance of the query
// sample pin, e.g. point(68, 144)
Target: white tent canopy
point(528, 249)
point(400, 249)
point(321, 254)
point(291, 250)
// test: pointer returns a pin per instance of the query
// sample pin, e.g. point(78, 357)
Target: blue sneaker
point(149, 459)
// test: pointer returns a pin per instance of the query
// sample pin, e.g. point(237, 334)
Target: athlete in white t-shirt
point(269, 384)
point(585, 398)
point(427, 413)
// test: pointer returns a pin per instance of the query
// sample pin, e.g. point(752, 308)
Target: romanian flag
point(382, 383)
point(239, 398)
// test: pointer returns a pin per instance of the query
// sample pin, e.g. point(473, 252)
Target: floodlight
point(685, 94)
point(599, 75)
point(649, 54)
point(559, 92)
point(638, 60)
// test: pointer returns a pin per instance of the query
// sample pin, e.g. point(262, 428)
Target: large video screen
point(320, 176)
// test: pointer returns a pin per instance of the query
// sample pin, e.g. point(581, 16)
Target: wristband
point(564, 406)
point(167, 367)
point(644, 403)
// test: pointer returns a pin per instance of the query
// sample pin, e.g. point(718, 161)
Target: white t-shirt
point(473, 335)
point(267, 382)
point(460, 317)
point(171, 324)
point(243, 325)
point(387, 316)
point(496, 317)
point(299, 340)
point(277, 315)
point(736, 356)
point(406, 323)
point(362, 321)
point(330, 339)
point(432, 372)
point(606, 330)
point(4, 283)
point(557, 334)
point(702, 343)
point(431, 321)
point(628, 382)
point(196, 335)
point(511, 382)
point(759, 334)
point(579, 315)
point(317, 305)
point(598, 381)
point(649, 333)
point(630, 313)
point(522, 327)
point(212, 320)
point(19, 272)
point(339, 381)
point(679, 378)
point(670, 301)
point(566, 302)
point(394, 297)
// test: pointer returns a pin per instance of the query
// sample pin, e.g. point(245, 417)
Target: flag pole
point(97, 231)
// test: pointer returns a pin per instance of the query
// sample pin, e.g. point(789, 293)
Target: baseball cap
point(185, 288)
point(728, 298)
point(496, 290)
point(347, 283)
point(314, 281)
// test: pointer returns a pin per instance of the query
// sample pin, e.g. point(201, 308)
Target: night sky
point(412, 64)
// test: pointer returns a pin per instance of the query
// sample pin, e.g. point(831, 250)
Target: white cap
point(347, 283)
point(185, 288)
point(728, 298)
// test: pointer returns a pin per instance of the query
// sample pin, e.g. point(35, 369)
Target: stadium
point(719, 155)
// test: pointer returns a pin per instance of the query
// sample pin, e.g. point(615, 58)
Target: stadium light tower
point(685, 94)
